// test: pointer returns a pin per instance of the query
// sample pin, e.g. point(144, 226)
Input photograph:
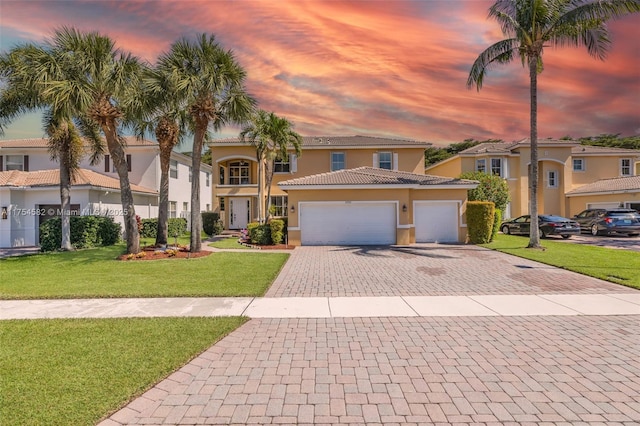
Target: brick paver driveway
point(423, 270)
point(411, 370)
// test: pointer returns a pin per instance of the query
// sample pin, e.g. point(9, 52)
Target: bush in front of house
point(497, 221)
point(277, 230)
point(86, 232)
point(176, 225)
point(211, 223)
point(259, 234)
point(480, 217)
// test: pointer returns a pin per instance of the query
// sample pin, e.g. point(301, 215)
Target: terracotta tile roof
point(488, 148)
point(589, 149)
point(42, 142)
point(576, 148)
point(338, 142)
point(373, 176)
point(84, 177)
point(622, 184)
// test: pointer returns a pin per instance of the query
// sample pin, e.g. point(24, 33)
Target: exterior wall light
point(293, 209)
point(404, 208)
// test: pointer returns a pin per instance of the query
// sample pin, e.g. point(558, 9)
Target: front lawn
point(95, 273)
point(615, 265)
point(228, 243)
point(75, 372)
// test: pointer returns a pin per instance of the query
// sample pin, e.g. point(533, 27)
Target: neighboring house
point(382, 196)
point(564, 167)
point(30, 187)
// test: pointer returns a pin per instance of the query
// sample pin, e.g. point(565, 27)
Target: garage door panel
point(348, 224)
point(436, 222)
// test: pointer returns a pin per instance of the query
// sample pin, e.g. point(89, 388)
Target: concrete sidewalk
point(329, 307)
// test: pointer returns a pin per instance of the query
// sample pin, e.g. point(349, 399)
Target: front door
point(239, 213)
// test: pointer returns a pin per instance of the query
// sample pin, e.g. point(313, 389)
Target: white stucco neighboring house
point(29, 187)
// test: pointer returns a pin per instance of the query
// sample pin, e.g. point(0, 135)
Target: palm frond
point(501, 52)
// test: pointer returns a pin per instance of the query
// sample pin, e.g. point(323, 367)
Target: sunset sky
point(379, 68)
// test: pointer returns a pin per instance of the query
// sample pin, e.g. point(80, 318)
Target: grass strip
point(94, 273)
point(614, 265)
point(75, 372)
point(228, 243)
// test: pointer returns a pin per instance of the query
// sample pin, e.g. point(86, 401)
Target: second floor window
point(281, 166)
point(337, 161)
point(207, 179)
point(552, 179)
point(190, 174)
point(239, 173)
point(496, 166)
point(625, 167)
point(173, 169)
point(481, 165)
point(385, 160)
point(173, 206)
point(578, 165)
point(16, 162)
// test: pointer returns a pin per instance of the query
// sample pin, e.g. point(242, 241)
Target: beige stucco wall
point(405, 233)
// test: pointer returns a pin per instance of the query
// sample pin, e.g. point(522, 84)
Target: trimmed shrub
point(86, 232)
point(277, 230)
point(480, 216)
point(176, 225)
point(497, 220)
point(149, 228)
point(211, 223)
point(259, 234)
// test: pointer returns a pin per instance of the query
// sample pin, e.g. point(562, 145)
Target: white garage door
point(603, 205)
point(348, 223)
point(436, 222)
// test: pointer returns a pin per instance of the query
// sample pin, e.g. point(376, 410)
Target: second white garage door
point(362, 223)
point(436, 222)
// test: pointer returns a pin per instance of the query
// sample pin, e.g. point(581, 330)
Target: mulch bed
point(153, 253)
point(271, 247)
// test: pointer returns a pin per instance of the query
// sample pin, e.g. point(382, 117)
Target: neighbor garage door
point(436, 222)
point(369, 223)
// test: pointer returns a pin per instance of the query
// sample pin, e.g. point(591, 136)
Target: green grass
point(615, 265)
point(95, 273)
point(75, 372)
point(228, 243)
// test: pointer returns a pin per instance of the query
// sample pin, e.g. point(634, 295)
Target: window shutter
point(106, 163)
point(395, 161)
point(294, 163)
point(375, 159)
point(1, 163)
point(128, 162)
point(25, 165)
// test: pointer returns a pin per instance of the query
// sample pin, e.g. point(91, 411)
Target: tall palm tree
point(272, 136)
point(532, 25)
point(99, 82)
point(210, 84)
point(20, 70)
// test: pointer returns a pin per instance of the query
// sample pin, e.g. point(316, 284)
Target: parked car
point(548, 224)
point(609, 221)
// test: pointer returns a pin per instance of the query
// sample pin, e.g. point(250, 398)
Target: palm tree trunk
point(126, 196)
point(65, 201)
point(196, 219)
point(534, 235)
point(260, 188)
point(269, 179)
point(163, 207)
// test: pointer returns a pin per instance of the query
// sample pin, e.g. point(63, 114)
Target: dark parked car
point(549, 225)
point(609, 221)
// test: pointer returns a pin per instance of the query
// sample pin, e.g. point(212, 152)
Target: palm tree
point(532, 25)
point(20, 69)
point(209, 83)
point(99, 82)
point(272, 136)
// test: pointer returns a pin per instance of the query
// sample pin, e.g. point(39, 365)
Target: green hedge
point(86, 232)
point(211, 223)
point(497, 221)
point(480, 217)
point(259, 234)
point(277, 230)
point(177, 225)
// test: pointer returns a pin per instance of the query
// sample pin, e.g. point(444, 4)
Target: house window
point(337, 161)
point(173, 207)
point(552, 179)
point(173, 169)
point(496, 166)
point(239, 173)
point(185, 207)
point(109, 166)
point(279, 205)
point(221, 202)
point(16, 162)
point(207, 179)
point(481, 165)
point(385, 160)
point(578, 165)
point(281, 166)
point(208, 208)
point(625, 167)
point(221, 175)
point(190, 174)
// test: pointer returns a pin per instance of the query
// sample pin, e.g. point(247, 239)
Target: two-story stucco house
point(567, 171)
point(30, 182)
point(344, 190)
